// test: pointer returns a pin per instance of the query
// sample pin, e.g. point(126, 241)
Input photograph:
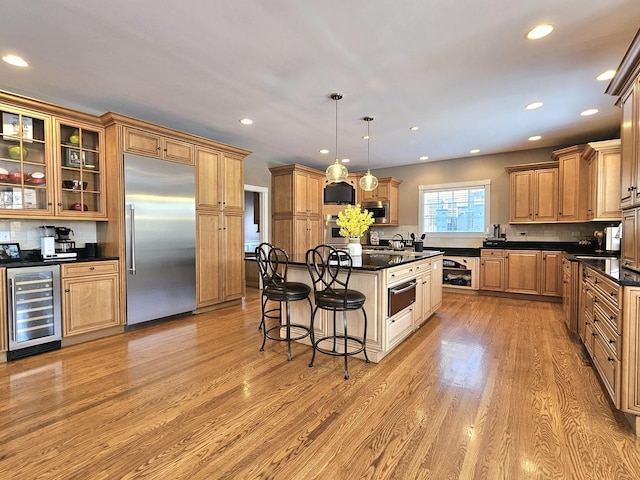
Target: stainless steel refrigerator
point(160, 238)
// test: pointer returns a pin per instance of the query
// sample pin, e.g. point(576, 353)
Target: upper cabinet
point(387, 190)
point(154, 145)
point(603, 165)
point(626, 86)
point(572, 178)
point(51, 161)
point(533, 193)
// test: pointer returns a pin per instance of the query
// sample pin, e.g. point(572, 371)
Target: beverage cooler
point(33, 301)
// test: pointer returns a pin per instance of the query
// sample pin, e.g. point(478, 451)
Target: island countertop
point(372, 260)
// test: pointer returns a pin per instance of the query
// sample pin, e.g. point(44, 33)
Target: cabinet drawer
point(608, 289)
point(609, 336)
point(492, 253)
point(423, 267)
point(609, 313)
point(609, 369)
point(400, 273)
point(399, 327)
point(89, 268)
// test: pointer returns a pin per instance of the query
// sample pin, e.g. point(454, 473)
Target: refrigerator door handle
point(132, 238)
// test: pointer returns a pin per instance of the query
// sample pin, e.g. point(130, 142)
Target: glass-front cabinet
point(50, 166)
point(25, 163)
point(80, 157)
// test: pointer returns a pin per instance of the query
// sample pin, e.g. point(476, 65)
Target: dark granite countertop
point(569, 247)
point(372, 261)
point(37, 261)
point(610, 267)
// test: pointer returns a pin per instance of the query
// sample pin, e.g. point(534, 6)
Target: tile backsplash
point(27, 232)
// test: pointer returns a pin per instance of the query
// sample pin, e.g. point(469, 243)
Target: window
point(460, 209)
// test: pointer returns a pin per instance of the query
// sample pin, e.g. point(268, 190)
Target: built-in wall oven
point(401, 296)
point(332, 232)
point(33, 300)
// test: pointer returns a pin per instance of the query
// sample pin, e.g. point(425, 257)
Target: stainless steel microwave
point(380, 210)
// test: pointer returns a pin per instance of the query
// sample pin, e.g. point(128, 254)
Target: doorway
point(256, 227)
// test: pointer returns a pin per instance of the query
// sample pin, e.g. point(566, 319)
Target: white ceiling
point(461, 70)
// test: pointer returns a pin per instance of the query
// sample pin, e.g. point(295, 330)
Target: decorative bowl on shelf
point(74, 184)
point(36, 178)
point(16, 150)
point(74, 138)
point(79, 207)
point(15, 177)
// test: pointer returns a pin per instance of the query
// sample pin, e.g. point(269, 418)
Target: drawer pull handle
point(609, 359)
point(92, 268)
point(611, 342)
point(611, 317)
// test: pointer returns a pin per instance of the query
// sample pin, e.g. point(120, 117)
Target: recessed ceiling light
point(590, 111)
point(15, 60)
point(534, 138)
point(345, 160)
point(246, 121)
point(424, 158)
point(365, 137)
point(324, 151)
point(539, 31)
point(475, 150)
point(533, 106)
point(414, 128)
point(608, 75)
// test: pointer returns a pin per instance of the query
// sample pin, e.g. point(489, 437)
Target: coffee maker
point(47, 241)
point(612, 238)
point(65, 245)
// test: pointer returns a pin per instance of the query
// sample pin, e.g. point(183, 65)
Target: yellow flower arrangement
point(354, 221)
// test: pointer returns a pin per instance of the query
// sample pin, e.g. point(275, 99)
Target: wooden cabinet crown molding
point(628, 70)
point(530, 166)
point(568, 151)
point(112, 118)
point(283, 169)
point(45, 107)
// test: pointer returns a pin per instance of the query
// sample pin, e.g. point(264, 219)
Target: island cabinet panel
point(631, 351)
point(90, 299)
point(551, 274)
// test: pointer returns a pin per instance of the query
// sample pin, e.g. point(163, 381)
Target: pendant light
point(368, 182)
point(337, 172)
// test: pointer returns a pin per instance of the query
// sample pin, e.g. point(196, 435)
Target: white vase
point(355, 249)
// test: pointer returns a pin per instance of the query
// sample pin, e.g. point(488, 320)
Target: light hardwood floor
point(489, 388)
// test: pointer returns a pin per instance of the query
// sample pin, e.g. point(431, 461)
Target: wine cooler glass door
point(34, 306)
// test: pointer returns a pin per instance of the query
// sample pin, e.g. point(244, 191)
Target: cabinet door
point(522, 269)
point(628, 164)
point(81, 166)
point(418, 311)
point(546, 195)
point(232, 258)
point(592, 189)
point(27, 179)
point(233, 185)
point(522, 196)
point(629, 247)
point(142, 142)
point(90, 303)
point(207, 178)
point(314, 195)
point(436, 284)
point(630, 401)
point(607, 201)
point(177, 150)
point(283, 233)
point(301, 188)
point(551, 278)
point(301, 235)
point(492, 274)
point(316, 232)
point(570, 188)
point(208, 286)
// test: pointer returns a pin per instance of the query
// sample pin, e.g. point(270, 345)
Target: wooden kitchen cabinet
point(387, 190)
point(551, 274)
point(630, 381)
point(629, 242)
point(533, 193)
point(297, 208)
point(428, 289)
point(522, 271)
point(629, 145)
point(571, 286)
point(219, 181)
point(492, 270)
point(150, 144)
point(603, 194)
point(91, 297)
point(572, 179)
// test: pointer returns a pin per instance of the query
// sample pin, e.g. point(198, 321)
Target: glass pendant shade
point(368, 182)
point(337, 172)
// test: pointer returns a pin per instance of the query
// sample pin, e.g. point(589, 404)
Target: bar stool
point(330, 272)
point(273, 263)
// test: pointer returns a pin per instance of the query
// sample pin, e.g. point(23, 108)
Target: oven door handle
point(402, 288)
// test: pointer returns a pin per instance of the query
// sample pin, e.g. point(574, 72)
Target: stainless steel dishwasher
point(33, 300)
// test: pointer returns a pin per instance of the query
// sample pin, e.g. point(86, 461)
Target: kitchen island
point(374, 274)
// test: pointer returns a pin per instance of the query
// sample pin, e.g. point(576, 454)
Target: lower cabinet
point(399, 327)
point(90, 297)
point(532, 272)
